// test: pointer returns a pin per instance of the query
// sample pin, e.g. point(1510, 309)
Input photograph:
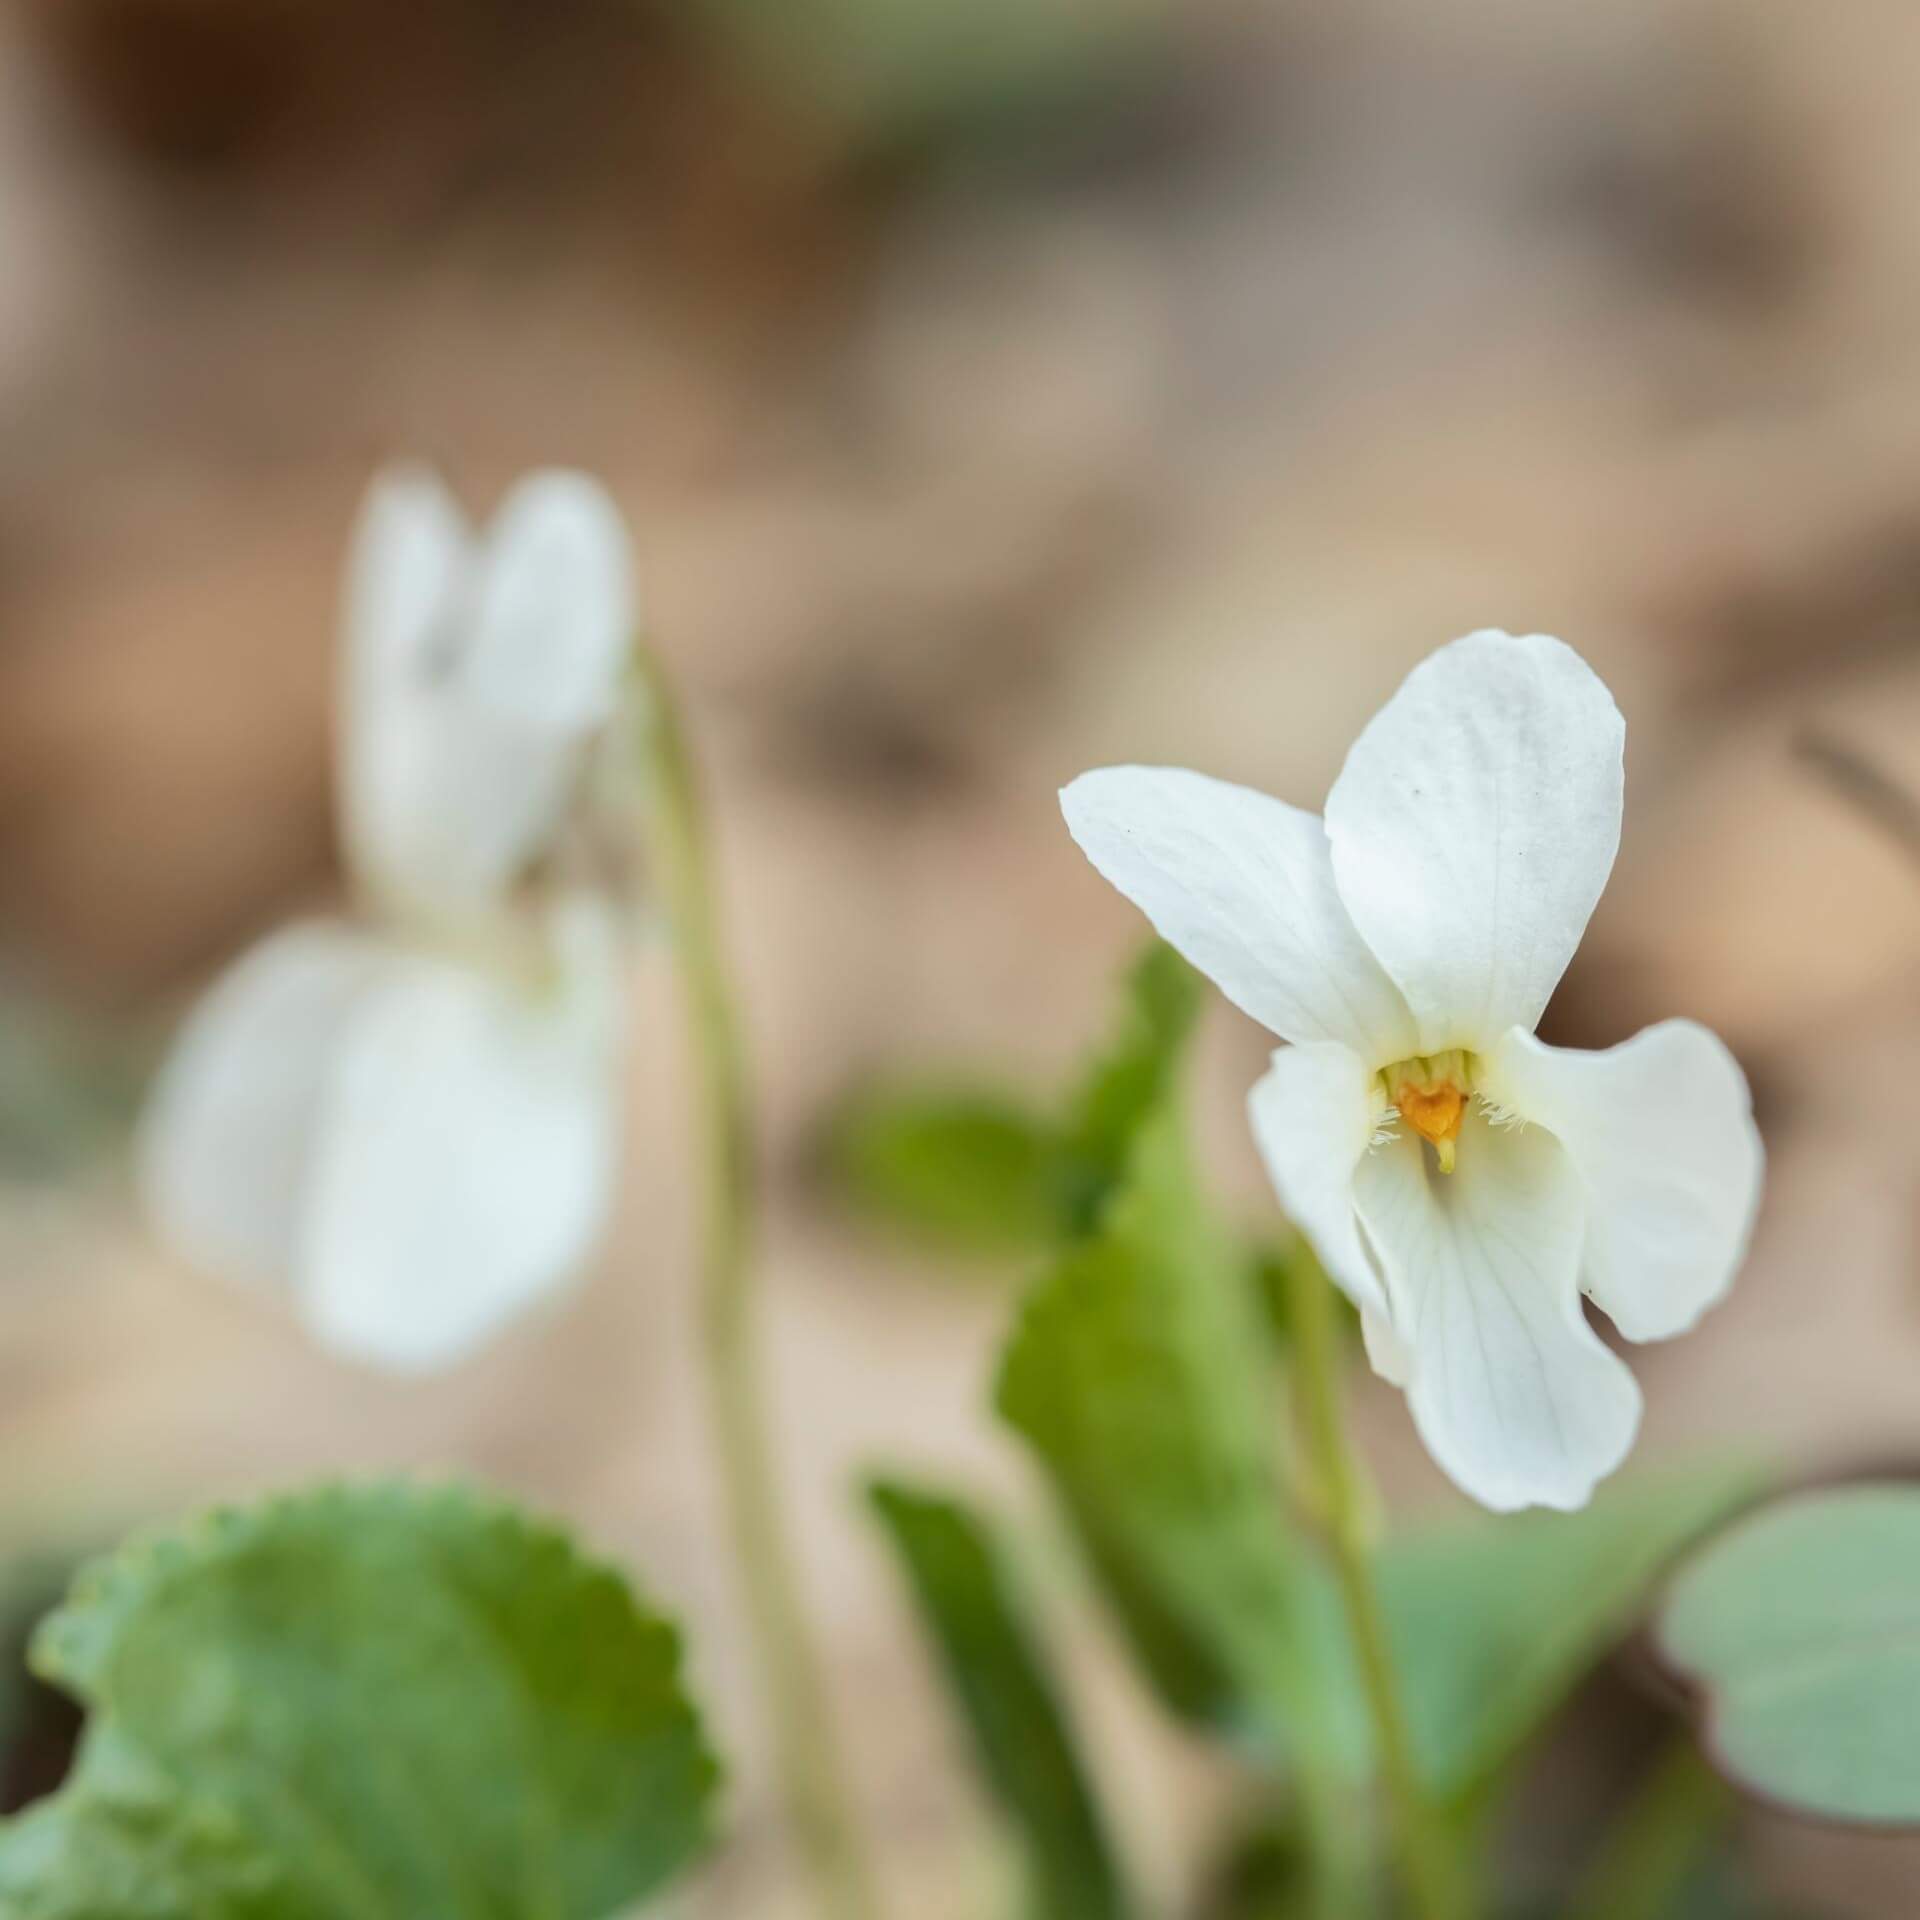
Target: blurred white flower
point(410, 1123)
point(1462, 1181)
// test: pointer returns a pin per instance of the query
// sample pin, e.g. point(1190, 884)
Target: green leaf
point(1261, 1871)
point(982, 1172)
point(1129, 1081)
point(896, 76)
point(1801, 1626)
point(1019, 1731)
point(355, 1703)
point(971, 1171)
point(69, 1086)
point(1139, 1374)
point(1495, 1622)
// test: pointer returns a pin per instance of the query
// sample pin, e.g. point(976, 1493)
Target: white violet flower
point(410, 1123)
point(1462, 1181)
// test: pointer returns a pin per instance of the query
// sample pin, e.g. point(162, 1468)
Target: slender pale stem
point(810, 1775)
point(1429, 1866)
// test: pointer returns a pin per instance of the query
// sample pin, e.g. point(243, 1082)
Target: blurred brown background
point(995, 389)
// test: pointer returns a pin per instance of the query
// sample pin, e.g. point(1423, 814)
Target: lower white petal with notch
point(416, 1150)
point(1514, 1394)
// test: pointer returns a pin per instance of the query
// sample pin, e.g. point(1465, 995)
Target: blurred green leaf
point(1495, 1622)
point(1662, 1855)
point(1801, 1626)
point(361, 1701)
point(980, 1172)
point(894, 74)
point(1139, 1374)
point(70, 1087)
point(1128, 1081)
point(995, 1670)
point(1260, 1872)
point(974, 1172)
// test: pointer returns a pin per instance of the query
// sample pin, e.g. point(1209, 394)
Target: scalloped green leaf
point(360, 1702)
point(1801, 1627)
point(996, 1672)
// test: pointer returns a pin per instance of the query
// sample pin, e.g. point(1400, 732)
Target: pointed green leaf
point(1801, 1626)
point(1019, 1730)
point(980, 1172)
point(356, 1703)
point(1128, 1082)
point(1139, 1374)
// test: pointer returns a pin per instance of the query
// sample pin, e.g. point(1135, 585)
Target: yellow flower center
point(1431, 1093)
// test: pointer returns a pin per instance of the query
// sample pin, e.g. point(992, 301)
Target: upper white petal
point(1473, 828)
point(474, 675)
point(470, 1157)
point(1314, 1112)
point(1513, 1393)
point(232, 1126)
point(1661, 1130)
point(407, 587)
point(1241, 884)
point(555, 611)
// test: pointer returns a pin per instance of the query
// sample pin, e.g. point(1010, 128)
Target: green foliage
point(1262, 1872)
point(1131, 1079)
point(1494, 1622)
point(979, 1172)
point(1139, 1373)
point(1019, 1732)
point(894, 75)
point(69, 1088)
point(973, 1172)
point(1801, 1627)
point(361, 1701)
point(1144, 1375)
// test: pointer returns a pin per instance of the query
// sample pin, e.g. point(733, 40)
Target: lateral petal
point(1242, 885)
point(1314, 1112)
point(231, 1127)
point(1660, 1128)
point(469, 1158)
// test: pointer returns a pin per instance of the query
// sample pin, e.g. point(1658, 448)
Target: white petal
point(230, 1131)
point(1387, 1353)
point(1474, 826)
point(1661, 1130)
point(474, 678)
point(556, 612)
point(407, 582)
point(469, 1159)
point(1241, 884)
point(1513, 1393)
point(1314, 1112)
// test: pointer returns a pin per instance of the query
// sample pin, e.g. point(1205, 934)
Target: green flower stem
point(1429, 1865)
point(1676, 1814)
point(811, 1779)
